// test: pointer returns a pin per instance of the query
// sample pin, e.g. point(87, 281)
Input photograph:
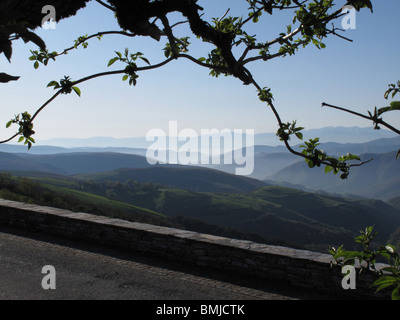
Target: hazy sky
point(353, 75)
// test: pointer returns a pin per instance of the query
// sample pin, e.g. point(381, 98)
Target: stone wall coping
point(184, 234)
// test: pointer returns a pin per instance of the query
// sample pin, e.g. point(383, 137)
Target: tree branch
point(378, 121)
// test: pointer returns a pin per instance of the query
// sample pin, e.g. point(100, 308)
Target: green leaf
point(384, 282)
point(395, 105)
point(328, 169)
point(77, 90)
point(36, 65)
point(20, 139)
point(299, 135)
point(9, 123)
point(112, 61)
point(396, 294)
point(352, 157)
point(145, 60)
point(125, 77)
point(54, 84)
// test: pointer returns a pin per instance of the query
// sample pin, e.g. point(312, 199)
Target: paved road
point(90, 272)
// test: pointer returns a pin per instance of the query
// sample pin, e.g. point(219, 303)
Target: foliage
point(65, 85)
point(389, 276)
point(233, 47)
point(130, 61)
point(24, 120)
point(393, 89)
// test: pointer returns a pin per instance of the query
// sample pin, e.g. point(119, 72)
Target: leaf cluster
point(25, 128)
point(314, 156)
point(376, 115)
point(130, 61)
point(393, 89)
point(66, 86)
point(42, 56)
point(288, 129)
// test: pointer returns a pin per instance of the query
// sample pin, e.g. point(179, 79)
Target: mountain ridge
point(378, 179)
point(326, 134)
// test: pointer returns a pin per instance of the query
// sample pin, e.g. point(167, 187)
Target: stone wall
point(300, 268)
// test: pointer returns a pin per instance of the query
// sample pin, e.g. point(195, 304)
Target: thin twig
point(127, 34)
point(105, 5)
point(346, 110)
point(227, 11)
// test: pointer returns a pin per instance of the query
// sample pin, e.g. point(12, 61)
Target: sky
point(348, 74)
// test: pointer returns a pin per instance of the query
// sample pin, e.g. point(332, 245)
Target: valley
point(291, 206)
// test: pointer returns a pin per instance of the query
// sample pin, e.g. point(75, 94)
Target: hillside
point(181, 177)
point(266, 162)
point(288, 215)
point(378, 179)
point(66, 193)
point(271, 214)
point(11, 162)
point(61, 194)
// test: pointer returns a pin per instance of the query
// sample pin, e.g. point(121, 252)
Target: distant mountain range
point(269, 160)
point(273, 165)
point(326, 134)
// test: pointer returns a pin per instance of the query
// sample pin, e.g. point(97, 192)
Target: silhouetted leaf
point(4, 77)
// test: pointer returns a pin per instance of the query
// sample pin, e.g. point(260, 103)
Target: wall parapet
point(300, 268)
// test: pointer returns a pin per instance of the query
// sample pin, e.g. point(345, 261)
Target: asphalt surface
point(86, 271)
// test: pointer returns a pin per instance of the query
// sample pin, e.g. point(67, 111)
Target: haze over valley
point(281, 202)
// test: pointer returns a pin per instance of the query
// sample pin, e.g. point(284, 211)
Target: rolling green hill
point(181, 177)
point(60, 193)
point(63, 192)
point(275, 215)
